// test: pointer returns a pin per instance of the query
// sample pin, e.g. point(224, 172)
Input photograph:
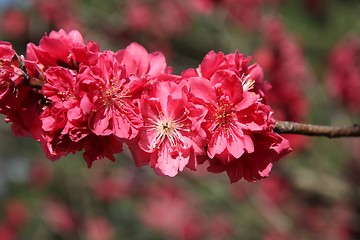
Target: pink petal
point(136, 59)
point(249, 98)
point(231, 84)
point(266, 171)
point(140, 157)
point(201, 88)
point(190, 72)
point(157, 63)
point(183, 158)
point(249, 144)
point(121, 126)
point(86, 105)
point(217, 144)
point(211, 63)
point(57, 48)
point(99, 122)
point(256, 73)
point(235, 171)
point(145, 140)
point(164, 162)
point(76, 38)
point(236, 146)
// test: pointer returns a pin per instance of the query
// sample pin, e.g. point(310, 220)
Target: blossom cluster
point(70, 96)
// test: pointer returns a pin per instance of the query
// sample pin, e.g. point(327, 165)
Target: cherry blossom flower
point(239, 125)
point(171, 136)
point(114, 85)
point(11, 74)
point(19, 103)
point(96, 104)
point(22, 111)
point(65, 120)
point(60, 92)
point(60, 48)
point(111, 93)
point(236, 64)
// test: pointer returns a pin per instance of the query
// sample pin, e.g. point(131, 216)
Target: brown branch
point(317, 130)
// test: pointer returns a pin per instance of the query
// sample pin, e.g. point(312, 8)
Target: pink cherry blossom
point(65, 120)
point(171, 136)
point(60, 48)
point(142, 64)
point(18, 102)
point(97, 104)
point(269, 148)
point(251, 74)
point(111, 92)
point(6, 51)
point(114, 85)
point(239, 124)
point(60, 92)
point(11, 74)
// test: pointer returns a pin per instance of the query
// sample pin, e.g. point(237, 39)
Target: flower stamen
point(247, 83)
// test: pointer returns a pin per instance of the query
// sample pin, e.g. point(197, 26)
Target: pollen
point(114, 94)
point(247, 83)
point(224, 119)
point(168, 129)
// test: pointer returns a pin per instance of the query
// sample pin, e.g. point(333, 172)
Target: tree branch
point(317, 130)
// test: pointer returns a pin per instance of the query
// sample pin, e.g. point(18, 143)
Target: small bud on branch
point(317, 130)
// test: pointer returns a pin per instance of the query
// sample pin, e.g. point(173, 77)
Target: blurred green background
point(313, 193)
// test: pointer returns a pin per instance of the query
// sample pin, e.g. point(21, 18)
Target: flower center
point(166, 129)
point(170, 129)
point(115, 94)
point(224, 119)
point(247, 83)
point(224, 116)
